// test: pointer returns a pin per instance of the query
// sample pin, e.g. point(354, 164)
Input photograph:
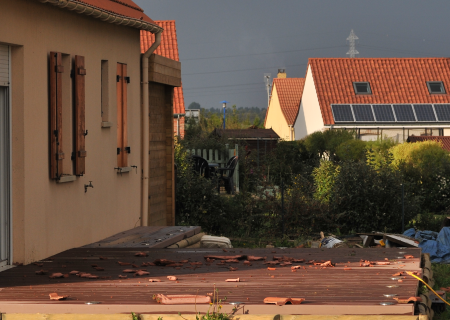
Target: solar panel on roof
point(442, 112)
point(342, 113)
point(404, 112)
point(424, 112)
point(363, 112)
point(383, 113)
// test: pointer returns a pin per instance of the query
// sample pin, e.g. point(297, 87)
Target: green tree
point(194, 105)
point(352, 150)
point(324, 178)
point(425, 166)
point(364, 199)
point(325, 144)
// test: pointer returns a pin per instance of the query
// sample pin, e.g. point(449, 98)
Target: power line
point(211, 72)
point(225, 92)
point(233, 85)
point(260, 54)
point(228, 94)
point(394, 50)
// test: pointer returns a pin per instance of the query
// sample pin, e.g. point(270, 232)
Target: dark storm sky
point(227, 46)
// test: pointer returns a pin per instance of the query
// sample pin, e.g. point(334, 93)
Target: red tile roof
point(392, 80)
point(444, 140)
point(289, 91)
point(169, 49)
point(125, 8)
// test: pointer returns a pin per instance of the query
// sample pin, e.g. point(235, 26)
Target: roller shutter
point(4, 65)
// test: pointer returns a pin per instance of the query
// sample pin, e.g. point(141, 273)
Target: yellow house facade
point(284, 104)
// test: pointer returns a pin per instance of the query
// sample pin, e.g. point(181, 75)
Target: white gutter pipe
point(145, 128)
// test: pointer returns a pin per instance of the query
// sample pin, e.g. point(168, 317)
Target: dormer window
point(362, 88)
point(436, 87)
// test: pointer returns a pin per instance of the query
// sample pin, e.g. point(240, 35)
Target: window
point(362, 88)
point(122, 140)
point(105, 93)
point(436, 87)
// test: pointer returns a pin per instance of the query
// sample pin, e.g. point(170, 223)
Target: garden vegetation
point(330, 181)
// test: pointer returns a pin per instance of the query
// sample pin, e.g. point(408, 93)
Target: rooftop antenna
point(224, 105)
point(351, 39)
point(267, 77)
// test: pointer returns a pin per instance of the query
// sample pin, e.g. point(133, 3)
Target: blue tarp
point(436, 244)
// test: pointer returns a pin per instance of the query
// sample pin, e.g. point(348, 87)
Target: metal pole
point(257, 144)
point(282, 204)
point(224, 115)
point(403, 208)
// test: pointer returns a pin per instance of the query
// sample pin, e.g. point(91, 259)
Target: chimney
point(281, 73)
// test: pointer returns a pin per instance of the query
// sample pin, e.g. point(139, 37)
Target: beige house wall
point(49, 217)
point(309, 118)
point(276, 119)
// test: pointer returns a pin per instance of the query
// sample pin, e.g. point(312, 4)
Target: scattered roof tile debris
point(283, 301)
point(55, 296)
point(181, 299)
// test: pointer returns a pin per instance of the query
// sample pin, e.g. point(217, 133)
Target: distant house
point(74, 132)
point(169, 49)
point(262, 140)
point(192, 114)
point(376, 97)
point(284, 104)
point(444, 140)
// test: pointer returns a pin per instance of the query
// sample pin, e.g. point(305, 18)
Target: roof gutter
point(145, 128)
point(104, 15)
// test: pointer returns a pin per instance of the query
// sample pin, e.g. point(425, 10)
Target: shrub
point(365, 200)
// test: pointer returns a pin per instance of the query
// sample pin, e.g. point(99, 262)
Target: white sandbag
point(215, 242)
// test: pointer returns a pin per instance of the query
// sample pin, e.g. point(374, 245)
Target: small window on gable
point(362, 88)
point(436, 87)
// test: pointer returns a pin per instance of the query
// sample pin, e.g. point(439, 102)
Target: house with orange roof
point(444, 141)
point(376, 97)
point(284, 104)
point(169, 49)
point(86, 125)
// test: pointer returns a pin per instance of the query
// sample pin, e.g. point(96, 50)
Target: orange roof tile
point(444, 140)
point(125, 8)
point(392, 80)
point(289, 92)
point(169, 49)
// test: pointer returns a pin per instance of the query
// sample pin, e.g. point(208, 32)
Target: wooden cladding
point(164, 70)
point(56, 92)
point(80, 114)
point(56, 147)
point(122, 139)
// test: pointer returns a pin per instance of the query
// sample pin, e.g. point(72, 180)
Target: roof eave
point(104, 15)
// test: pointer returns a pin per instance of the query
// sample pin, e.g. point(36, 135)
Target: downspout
point(145, 128)
point(290, 132)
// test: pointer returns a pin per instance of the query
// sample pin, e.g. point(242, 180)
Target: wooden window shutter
point(122, 138)
point(79, 115)
point(56, 147)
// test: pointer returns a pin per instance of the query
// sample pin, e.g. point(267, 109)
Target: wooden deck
point(330, 290)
